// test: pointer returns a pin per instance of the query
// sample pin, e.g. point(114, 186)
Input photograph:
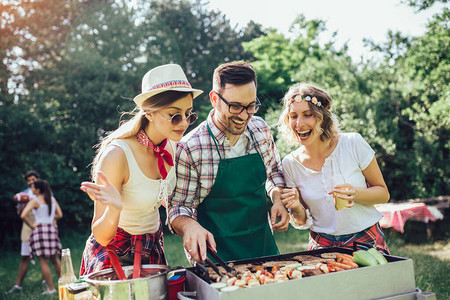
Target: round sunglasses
point(178, 118)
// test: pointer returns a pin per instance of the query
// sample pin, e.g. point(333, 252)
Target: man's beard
point(230, 126)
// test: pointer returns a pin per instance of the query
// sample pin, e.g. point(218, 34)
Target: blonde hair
point(136, 123)
point(327, 123)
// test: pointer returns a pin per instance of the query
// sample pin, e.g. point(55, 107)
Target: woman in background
point(336, 173)
point(134, 174)
point(44, 240)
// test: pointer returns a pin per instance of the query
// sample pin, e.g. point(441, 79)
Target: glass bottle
point(67, 275)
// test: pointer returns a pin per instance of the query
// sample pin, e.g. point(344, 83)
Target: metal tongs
point(227, 268)
point(214, 267)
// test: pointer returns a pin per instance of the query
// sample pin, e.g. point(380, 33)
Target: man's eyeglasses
point(177, 118)
point(237, 109)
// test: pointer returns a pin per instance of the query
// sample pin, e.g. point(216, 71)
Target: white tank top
point(41, 213)
point(141, 196)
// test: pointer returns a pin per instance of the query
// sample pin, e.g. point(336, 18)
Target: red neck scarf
point(159, 151)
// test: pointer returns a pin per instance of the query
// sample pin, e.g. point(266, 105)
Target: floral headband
point(299, 98)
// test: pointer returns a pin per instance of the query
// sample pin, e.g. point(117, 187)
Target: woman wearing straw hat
point(134, 174)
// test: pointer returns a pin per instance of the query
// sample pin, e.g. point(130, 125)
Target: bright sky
point(352, 19)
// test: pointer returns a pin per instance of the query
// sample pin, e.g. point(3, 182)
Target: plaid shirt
point(197, 162)
point(372, 235)
point(95, 256)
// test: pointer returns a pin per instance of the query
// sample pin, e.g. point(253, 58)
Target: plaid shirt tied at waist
point(95, 256)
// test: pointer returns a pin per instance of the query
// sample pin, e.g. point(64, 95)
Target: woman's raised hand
point(105, 192)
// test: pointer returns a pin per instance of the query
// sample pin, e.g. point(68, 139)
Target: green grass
point(432, 274)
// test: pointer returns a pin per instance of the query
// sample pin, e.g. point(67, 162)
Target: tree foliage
point(425, 87)
point(32, 47)
point(400, 104)
point(423, 4)
point(69, 70)
point(196, 38)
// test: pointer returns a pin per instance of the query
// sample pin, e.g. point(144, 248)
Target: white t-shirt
point(239, 148)
point(345, 164)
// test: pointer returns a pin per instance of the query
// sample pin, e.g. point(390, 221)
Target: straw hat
point(164, 78)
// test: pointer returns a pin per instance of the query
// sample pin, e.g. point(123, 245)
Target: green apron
point(235, 211)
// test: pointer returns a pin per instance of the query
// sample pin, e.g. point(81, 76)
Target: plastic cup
point(338, 202)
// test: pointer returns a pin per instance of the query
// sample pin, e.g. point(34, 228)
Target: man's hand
point(194, 236)
point(279, 211)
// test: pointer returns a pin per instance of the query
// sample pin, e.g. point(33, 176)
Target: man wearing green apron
point(226, 167)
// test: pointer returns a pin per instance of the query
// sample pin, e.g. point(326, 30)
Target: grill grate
point(202, 272)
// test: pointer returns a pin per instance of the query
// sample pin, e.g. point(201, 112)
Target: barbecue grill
point(394, 280)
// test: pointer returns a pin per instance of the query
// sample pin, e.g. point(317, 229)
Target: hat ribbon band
point(172, 84)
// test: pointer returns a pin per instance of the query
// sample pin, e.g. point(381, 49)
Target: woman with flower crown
point(133, 174)
point(334, 179)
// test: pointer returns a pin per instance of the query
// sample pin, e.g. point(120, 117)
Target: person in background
point(44, 240)
point(25, 250)
point(133, 173)
point(225, 168)
point(329, 167)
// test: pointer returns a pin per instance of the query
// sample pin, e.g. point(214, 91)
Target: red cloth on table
point(396, 214)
